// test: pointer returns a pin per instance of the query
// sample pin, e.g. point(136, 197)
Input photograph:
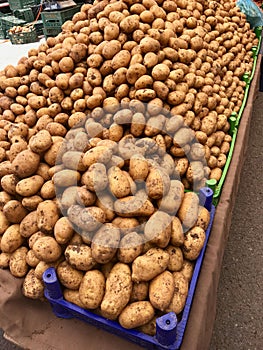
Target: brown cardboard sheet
point(32, 325)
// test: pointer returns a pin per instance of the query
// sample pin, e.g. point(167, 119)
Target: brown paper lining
point(32, 325)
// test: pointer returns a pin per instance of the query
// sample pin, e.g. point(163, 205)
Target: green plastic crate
point(21, 4)
point(57, 18)
point(9, 21)
point(23, 38)
point(25, 14)
point(51, 31)
point(39, 27)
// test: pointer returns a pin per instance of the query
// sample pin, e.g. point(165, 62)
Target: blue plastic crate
point(169, 330)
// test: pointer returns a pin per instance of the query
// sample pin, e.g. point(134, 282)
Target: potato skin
point(203, 218)
point(105, 243)
point(180, 293)
point(161, 290)
point(147, 266)
point(172, 201)
point(32, 286)
point(47, 216)
point(17, 264)
point(26, 163)
point(28, 225)
point(63, 230)
point(79, 256)
point(47, 249)
point(158, 229)
point(70, 278)
point(157, 183)
point(136, 314)
point(117, 292)
point(131, 246)
point(29, 186)
point(139, 291)
point(193, 243)
point(92, 288)
point(188, 211)
point(11, 239)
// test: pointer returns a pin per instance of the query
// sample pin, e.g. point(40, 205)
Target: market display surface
point(104, 131)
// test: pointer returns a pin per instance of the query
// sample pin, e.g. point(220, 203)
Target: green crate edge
point(29, 35)
point(14, 3)
point(240, 113)
point(51, 28)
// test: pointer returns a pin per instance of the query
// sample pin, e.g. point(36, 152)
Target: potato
point(149, 328)
point(158, 229)
point(203, 218)
point(66, 177)
point(26, 163)
point(193, 243)
point(31, 203)
point(88, 219)
point(149, 265)
point(98, 154)
point(17, 264)
point(136, 314)
point(32, 286)
point(161, 290)
point(216, 174)
point(63, 230)
point(195, 172)
point(176, 258)
point(47, 249)
point(105, 243)
point(177, 233)
point(95, 178)
point(157, 183)
point(28, 225)
point(180, 293)
point(79, 257)
point(131, 206)
point(131, 246)
point(172, 201)
point(188, 211)
point(68, 276)
point(11, 239)
point(47, 216)
point(29, 186)
point(14, 211)
point(92, 288)
point(118, 182)
point(117, 292)
point(106, 202)
point(126, 225)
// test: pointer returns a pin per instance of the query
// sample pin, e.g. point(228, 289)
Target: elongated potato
point(136, 314)
point(157, 183)
point(92, 288)
point(203, 218)
point(133, 206)
point(158, 229)
point(180, 293)
point(17, 264)
point(98, 154)
point(117, 292)
point(33, 287)
point(47, 216)
point(28, 225)
point(172, 201)
point(177, 233)
point(63, 230)
point(4, 224)
point(161, 290)
point(188, 211)
point(147, 266)
point(176, 258)
point(139, 167)
point(118, 182)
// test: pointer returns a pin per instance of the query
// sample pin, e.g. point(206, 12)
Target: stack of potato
point(101, 130)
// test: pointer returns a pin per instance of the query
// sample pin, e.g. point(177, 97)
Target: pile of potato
point(102, 129)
